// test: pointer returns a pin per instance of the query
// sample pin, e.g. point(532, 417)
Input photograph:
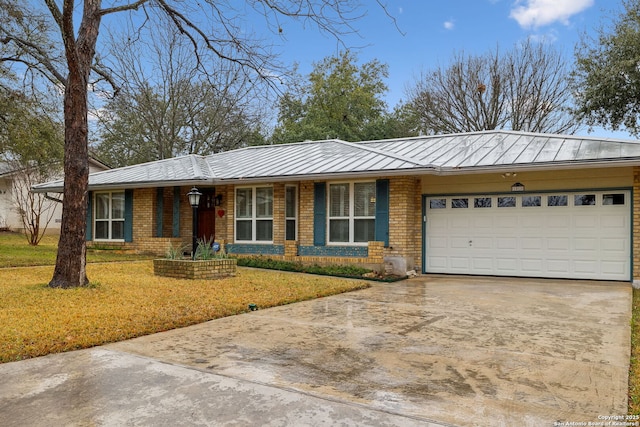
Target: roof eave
point(539, 166)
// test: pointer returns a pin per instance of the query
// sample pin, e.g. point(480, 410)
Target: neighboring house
point(9, 214)
point(485, 203)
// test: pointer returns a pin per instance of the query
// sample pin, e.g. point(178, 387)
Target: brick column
point(290, 249)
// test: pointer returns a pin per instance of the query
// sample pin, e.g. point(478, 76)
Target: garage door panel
point(459, 242)
point(438, 243)
point(616, 246)
point(585, 244)
point(559, 266)
point(506, 266)
point(585, 221)
point(529, 243)
point(483, 264)
point(459, 263)
point(482, 243)
point(570, 241)
point(506, 243)
point(614, 267)
point(585, 266)
point(559, 243)
point(557, 221)
point(529, 265)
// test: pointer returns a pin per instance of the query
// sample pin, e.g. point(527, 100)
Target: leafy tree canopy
point(606, 79)
point(339, 99)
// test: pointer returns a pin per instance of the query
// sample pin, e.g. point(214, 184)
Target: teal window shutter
point(382, 212)
point(176, 211)
point(319, 214)
point(159, 211)
point(89, 229)
point(128, 215)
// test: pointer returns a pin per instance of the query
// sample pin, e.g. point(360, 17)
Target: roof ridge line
point(386, 153)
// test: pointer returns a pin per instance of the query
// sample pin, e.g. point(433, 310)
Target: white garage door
point(565, 235)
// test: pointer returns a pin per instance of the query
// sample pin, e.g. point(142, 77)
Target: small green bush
point(329, 270)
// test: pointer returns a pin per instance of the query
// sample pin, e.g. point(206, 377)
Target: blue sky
point(432, 30)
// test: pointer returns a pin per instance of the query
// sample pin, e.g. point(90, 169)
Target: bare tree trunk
point(70, 270)
point(71, 261)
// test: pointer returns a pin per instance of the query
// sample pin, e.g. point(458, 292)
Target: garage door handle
point(470, 242)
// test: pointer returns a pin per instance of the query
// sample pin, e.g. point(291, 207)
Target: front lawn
point(16, 252)
point(127, 300)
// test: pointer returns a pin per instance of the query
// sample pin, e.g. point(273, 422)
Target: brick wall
point(405, 231)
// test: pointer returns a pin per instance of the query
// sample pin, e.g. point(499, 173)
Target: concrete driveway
point(430, 351)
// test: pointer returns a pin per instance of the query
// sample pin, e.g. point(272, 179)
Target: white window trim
point(296, 214)
point(109, 220)
point(351, 216)
point(254, 218)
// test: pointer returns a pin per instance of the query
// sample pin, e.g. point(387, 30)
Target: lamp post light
point(194, 201)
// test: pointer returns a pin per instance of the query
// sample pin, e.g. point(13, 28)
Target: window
point(109, 216)
point(352, 212)
point(482, 202)
point(613, 199)
point(254, 214)
point(506, 202)
point(437, 203)
point(531, 201)
point(584, 199)
point(290, 211)
point(459, 203)
point(557, 200)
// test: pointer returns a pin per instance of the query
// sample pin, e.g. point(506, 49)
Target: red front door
point(207, 215)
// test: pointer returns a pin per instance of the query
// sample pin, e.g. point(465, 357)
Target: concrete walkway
point(431, 351)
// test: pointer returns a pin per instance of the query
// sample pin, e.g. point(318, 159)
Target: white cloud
point(448, 25)
point(538, 13)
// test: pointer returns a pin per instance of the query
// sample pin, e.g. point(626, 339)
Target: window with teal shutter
point(382, 211)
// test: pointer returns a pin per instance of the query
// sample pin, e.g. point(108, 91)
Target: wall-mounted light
point(218, 201)
point(509, 175)
point(517, 187)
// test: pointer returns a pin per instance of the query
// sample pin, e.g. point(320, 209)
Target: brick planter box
point(189, 269)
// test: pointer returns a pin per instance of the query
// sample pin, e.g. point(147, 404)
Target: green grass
point(16, 252)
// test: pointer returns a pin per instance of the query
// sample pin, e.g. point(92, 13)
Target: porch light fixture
point(194, 201)
point(517, 187)
point(218, 201)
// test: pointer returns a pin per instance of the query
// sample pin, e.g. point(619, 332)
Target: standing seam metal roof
point(457, 153)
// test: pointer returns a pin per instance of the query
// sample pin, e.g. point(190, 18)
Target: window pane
point(243, 230)
point(364, 230)
point(339, 200)
point(264, 202)
point(117, 230)
point(364, 199)
point(557, 200)
point(459, 203)
point(438, 203)
point(613, 199)
point(290, 202)
point(117, 207)
point(102, 206)
point(506, 202)
point(244, 203)
point(482, 202)
point(264, 230)
point(290, 229)
point(584, 199)
point(339, 230)
point(531, 201)
point(102, 229)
